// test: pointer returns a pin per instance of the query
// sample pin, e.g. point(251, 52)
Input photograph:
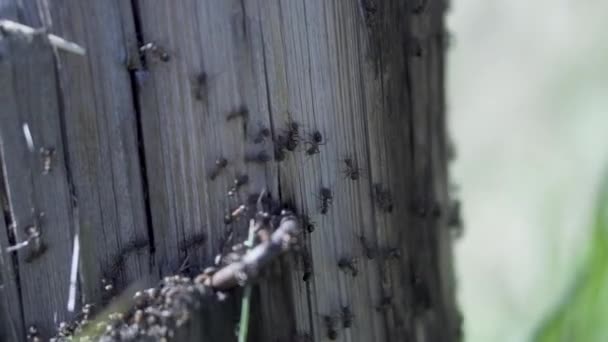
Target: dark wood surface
point(136, 136)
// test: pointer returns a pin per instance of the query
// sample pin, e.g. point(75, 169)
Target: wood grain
point(36, 199)
point(102, 141)
point(137, 136)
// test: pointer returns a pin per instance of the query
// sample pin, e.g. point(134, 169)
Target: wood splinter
point(8, 27)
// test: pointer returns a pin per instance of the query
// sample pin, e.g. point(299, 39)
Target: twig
point(241, 272)
point(9, 27)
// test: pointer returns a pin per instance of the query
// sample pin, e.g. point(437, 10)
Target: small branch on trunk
point(243, 271)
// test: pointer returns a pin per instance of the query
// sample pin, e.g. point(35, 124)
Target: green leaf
point(583, 314)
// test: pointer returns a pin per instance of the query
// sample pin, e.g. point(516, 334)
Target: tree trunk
point(165, 90)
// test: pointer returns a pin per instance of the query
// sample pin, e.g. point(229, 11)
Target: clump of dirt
point(155, 314)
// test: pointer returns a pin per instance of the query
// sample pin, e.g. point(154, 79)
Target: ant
point(33, 334)
point(201, 82)
point(316, 140)
point(240, 112)
point(306, 265)
point(420, 7)
point(385, 303)
point(305, 337)
point(352, 170)
point(454, 219)
point(416, 49)
point(330, 325)
point(239, 181)
point(262, 134)
point(326, 200)
point(347, 317)
point(279, 148)
point(383, 198)
point(264, 203)
point(349, 264)
point(392, 253)
point(312, 150)
point(235, 214)
point(37, 245)
point(47, 155)
point(220, 164)
point(292, 137)
point(308, 223)
point(155, 50)
point(370, 252)
point(422, 294)
point(194, 241)
point(259, 157)
point(424, 207)
point(34, 244)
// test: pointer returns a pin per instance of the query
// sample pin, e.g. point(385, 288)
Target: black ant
point(259, 157)
point(423, 300)
point(330, 325)
point(280, 146)
point(316, 140)
point(326, 200)
point(349, 264)
point(424, 207)
point(383, 198)
point(316, 137)
point(385, 303)
point(436, 210)
point(33, 334)
point(220, 164)
point(238, 182)
point(392, 253)
point(155, 50)
point(240, 112)
point(454, 217)
point(312, 150)
point(352, 170)
point(200, 86)
point(308, 223)
point(262, 134)
point(416, 49)
point(193, 241)
point(302, 337)
point(263, 203)
point(47, 155)
point(306, 265)
point(420, 7)
point(347, 317)
point(36, 246)
point(370, 252)
point(292, 136)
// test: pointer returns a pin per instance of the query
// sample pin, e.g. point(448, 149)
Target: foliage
point(582, 315)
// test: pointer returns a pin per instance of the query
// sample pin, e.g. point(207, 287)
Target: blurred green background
point(528, 106)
